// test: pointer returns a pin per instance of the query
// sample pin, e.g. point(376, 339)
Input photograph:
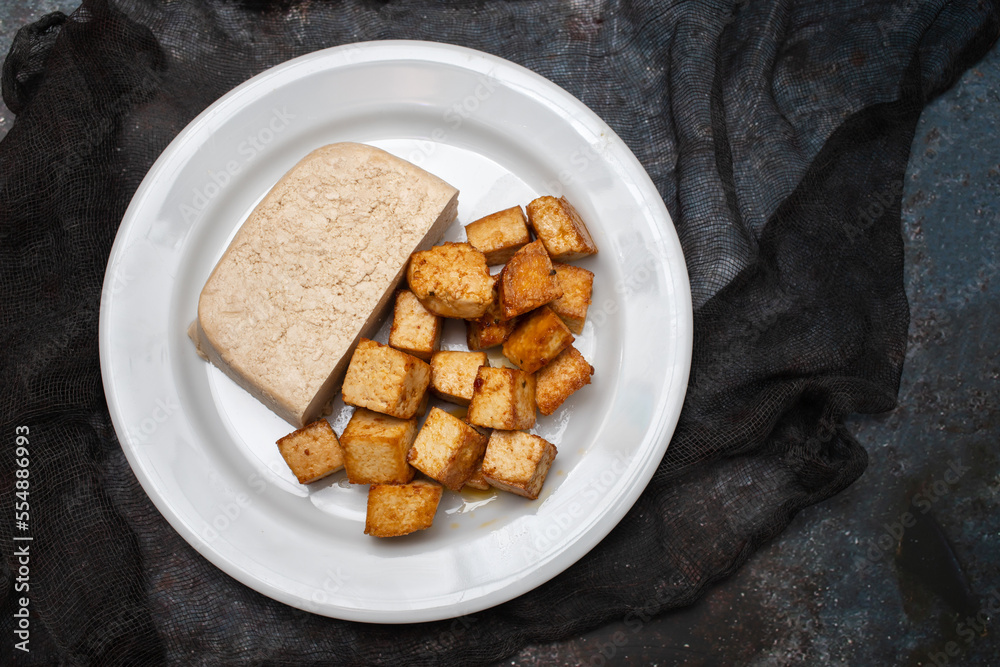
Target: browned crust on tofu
point(578, 285)
point(451, 280)
point(447, 449)
point(415, 330)
point(503, 398)
point(375, 448)
point(558, 225)
point(312, 452)
point(518, 462)
point(453, 374)
point(386, 380)
point(499, 235)
point(401, 509)
point(539, 339)
point(527, 281)
point(563, 376)
point(491, 329)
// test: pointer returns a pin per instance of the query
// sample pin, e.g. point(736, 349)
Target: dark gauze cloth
point(778, 133)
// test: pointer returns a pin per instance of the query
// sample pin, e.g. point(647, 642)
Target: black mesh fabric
point(777, 132)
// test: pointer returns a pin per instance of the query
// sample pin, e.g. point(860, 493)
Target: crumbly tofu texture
point(451, 280)
point(311, 271)
point(539, 339)
point(447, 449)
point(562, 377)
point(453, 374)
point(386, 380)
point(577, 284)
point(558, 225)
point(312, 452)
point(375, 448)
point(527, 281)
point(499, 235)
point(503, 398)
point(518, 462)
point(401, 509)
point(415, 330)
point(491, 329)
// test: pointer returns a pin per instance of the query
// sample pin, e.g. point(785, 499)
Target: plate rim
point(381, 52)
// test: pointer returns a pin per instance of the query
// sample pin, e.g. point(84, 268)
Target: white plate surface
point(204, 450)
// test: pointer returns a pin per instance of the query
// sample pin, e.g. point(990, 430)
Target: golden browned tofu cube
point(527, 281)
point(447, 449)
point(453, 374)
point(312, 452)
point(518, 462)
point(499, 235)
point(557, 224)
point(491, 329)
point(451, 280)
point(375, 448)
point(537, 340)
point(560, 378)
point(415, 330)
point(401, 509)
point(577, 285)
point(386, 380)
point(503, 398)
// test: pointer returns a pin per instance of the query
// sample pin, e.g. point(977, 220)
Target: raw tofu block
point(518, 462)
point(312, 452)
point(310, 271)
point(560, 378)
point(447, 449)
point(451, 280)
point(577, 284)
point(491, 329)
point(453, 374)
point(557, 224)
point(499, 235)
point(538, 339)
point(527, 281)
point(375, 448)
point(386, 380)
point(503, 398)
point(415, 330)
point(401, 509)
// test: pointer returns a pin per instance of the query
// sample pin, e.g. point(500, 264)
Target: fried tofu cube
point(503, 398)
point(577, 285)
point(415, 330)
point(499, 235)
point(538, 339)
point(385, 380)
point(557, 224)
point(453, 372)
point(401, 509)
point(560, 378)
point(375, 448)
point(451, 280)
point(312, 452)
point(491, 329)
point(527, 281)
point(447, 449)
point(477, 481)
point(518, 462)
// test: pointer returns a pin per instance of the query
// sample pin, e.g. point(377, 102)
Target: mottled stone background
point(848, 582)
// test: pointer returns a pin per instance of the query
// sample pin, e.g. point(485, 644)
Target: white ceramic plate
point(204, 450)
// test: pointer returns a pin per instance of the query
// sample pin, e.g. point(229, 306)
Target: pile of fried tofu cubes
point(532, 307)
